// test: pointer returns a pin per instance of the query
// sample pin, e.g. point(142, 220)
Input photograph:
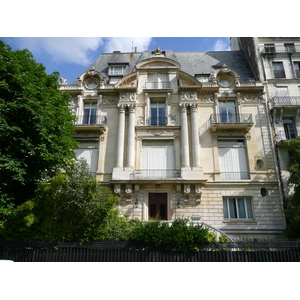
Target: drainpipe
point(275, 152)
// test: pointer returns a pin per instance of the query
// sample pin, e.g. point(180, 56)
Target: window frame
point(278, 72)
point(236, 209)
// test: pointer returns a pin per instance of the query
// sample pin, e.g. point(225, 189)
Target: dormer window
point(117, 69)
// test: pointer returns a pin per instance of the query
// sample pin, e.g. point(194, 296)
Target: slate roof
point(191, 62)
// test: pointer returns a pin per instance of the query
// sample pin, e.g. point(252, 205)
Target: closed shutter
point(91, 157)
point(158, 159)
point(233, 160)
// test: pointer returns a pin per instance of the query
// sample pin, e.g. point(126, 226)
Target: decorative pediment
point(129, 81)
point(157, 63)
point(186, 80)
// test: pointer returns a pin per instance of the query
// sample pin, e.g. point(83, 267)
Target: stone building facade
point(181, 134)
point(276, 61)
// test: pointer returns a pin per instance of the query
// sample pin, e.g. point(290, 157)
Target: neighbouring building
point(181, 134)
point(276, 62)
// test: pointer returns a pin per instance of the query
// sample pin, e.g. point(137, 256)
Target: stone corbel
point(117, 189)
point(128, 192)
point(198, 192)
point(187, 191)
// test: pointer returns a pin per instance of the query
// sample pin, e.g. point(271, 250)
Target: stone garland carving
point(173, 119)
point(207, 99)
point(250, 98)
point(117, 189)
point(188, 96)
point(141, 120)
point(127, 97)
point(109, 100)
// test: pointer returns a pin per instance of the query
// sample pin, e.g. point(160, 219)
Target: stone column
point(130, 145)
point(195, 135)
point(184, 137)
point(121, 134)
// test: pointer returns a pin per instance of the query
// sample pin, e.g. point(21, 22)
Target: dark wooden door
point(158, 206)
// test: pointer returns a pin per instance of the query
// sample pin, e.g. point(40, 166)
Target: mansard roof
point(191, 62)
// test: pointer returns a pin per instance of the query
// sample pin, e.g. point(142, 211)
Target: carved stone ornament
point(127, 97)
point(207, 99)
point(173, 119)
point(74, 101)
point(187, 189)
point(141, 120)
point(251, 98)
point(109, 100)
point(188, 96)
point(63, 80)
point(117, 189)
point(128, 190)
point(92, 71)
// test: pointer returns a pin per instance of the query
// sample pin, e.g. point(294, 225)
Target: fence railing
point(90, 120)
point(156, 174)
point(282, 136)
point(234, 118)
point(157, 121)
point(240, 251)
point(157, 85)
point(285, 101)
point(235, 175)
point(279, 49)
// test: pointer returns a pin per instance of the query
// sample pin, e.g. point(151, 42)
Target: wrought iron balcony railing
point(233, 119)
point(157, 121)
point(285, 101)
point(283, 136)
point(153, 174)
point(157, 85)
point(90, 120)
point(235, 175)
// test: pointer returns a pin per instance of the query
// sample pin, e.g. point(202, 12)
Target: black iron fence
point(246, 251)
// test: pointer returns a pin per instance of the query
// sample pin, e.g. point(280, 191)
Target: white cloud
point(63, 49)
point(221, 46)
point(127, 44)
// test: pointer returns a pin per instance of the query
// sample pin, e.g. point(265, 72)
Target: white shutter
point(158, 159)
point(91, 157)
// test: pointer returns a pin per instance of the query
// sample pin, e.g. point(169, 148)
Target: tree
point(35, 126)
point(292, 204)
point(71, 207)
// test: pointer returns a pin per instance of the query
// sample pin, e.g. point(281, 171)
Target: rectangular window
point(158, 112)
point(117, 69)
point(270, 48)
point(90, 111)
point(158, 159)
point(91, 157)
point(158, 81)
point(289, 48)
point(289, 128)
point(233, 159)
point(227, 111)
point(237, 208)
point(297, 68)
point(278, 70)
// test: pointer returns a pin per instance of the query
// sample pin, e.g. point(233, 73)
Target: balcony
point(235, 176)
point(285, 101)
point(157, 121)
point(90, 123)
point(162, 85)
point(223, 121)
point(283, 137)
point(156, 174)
point(272, 49)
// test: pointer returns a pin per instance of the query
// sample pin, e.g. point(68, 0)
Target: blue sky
point(70, 56)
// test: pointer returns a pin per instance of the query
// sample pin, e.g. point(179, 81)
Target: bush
point(177, 237)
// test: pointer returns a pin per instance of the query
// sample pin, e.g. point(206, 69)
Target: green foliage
point(177, 237)
point(35, 126)
point(211, 236)
point(223, 239)
point(71, 207)
point(292, 204)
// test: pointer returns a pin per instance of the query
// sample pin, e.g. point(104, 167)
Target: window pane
point(249, 208)
point(232, 208)
point(241, 207)
point(225, 208)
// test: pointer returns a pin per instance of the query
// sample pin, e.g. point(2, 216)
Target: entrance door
point(158, 206)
